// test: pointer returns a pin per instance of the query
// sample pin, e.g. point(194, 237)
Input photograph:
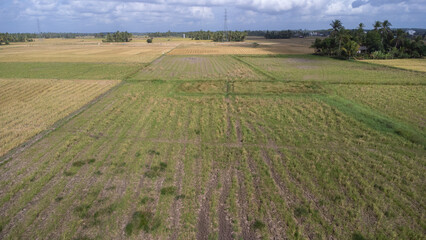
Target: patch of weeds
point(98, 173)
point(58, 199)
point(68, 173)
point(151, 174)
point(146, 199)
point(142, 220)
point(182, 196)
point(32, 179)
point(138, 154)
point(168, 190)
point(258, 224)
point(90, 161)
point(110, 188)
point(82, 238)
point(357, 236)
point(155, 170)
point(163, 166)
point(78, 163)
point(153, 152)
point(82, 210)
point(197, 132)
point(301, 211)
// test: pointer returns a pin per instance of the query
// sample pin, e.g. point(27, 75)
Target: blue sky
point(190, 15)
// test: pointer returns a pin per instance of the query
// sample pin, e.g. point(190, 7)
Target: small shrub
point(82, 210)
point(67, 173)
point(58, 199)
point(163, 166)
point(149, 40)
point(168, 190)
point(142, 220)
point(182, 196)
point(258, 224)
point(153, 152)
point(78, 164)
point(146, 199)
point(301, 211)
point(90, 161)
point(357, 236)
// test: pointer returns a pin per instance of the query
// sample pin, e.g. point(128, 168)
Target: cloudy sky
point(189, 15)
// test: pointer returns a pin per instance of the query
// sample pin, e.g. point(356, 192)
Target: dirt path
point(225, 226)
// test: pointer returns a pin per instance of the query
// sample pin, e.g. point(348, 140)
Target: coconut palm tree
point(337, 28)
point(377, 25)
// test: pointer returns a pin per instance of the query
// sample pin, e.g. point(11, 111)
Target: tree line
point(6, 38)
point(382, 42)
point(118, 37)
point(219, 36)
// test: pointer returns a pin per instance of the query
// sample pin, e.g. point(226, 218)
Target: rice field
point(405, 103)
point(254, 46)
point(74, 51)
point(197, 68)
point(29, 106)
point(409, 64)
point(216, 147)
point(326, 70)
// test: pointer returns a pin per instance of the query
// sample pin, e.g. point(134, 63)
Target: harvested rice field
point(210, 146)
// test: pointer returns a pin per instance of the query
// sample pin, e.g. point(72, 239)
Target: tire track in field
point(284, 191)
point(177, 204)
point(203, 222)
point(225, 226)
point(247, 232)
point(274, 229)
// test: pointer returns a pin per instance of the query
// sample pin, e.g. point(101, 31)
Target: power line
point(225, 28)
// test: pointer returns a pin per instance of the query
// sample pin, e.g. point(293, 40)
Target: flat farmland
point(409, 64)
point(29, 106)
point(89, 52)
point(254, 46)
point(217, 147)
point(197, 68)
point(326, 70)
point(406, 103)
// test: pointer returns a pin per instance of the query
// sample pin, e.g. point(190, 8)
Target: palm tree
point(361, 26)
point(386, 26)
point(377, 25)
point(400, 35)
point(337, 27)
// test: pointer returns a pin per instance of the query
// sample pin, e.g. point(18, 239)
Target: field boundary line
point(375, 119)
point(255, 69)
point(31, 141)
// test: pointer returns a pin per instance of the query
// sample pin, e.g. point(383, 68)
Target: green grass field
point(243, 147)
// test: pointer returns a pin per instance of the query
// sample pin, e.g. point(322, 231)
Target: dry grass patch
point(198, 68)
point(85, 52)
point(410, 64)
point(30, 106)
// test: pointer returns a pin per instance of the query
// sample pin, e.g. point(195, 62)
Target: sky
point(191, 15)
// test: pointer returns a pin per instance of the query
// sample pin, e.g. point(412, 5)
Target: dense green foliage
point(6, 38)
point(118, 37)
point(382, 42)
point(220, 36)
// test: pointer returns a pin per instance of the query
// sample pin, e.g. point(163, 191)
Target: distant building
point(184, 36)
point(362, 49)
point(410, 32)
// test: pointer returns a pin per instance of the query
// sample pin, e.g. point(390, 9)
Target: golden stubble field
point(29, 106)
point(409, 64)
point(92, 50)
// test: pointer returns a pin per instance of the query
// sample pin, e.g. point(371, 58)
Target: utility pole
point(225, 28)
